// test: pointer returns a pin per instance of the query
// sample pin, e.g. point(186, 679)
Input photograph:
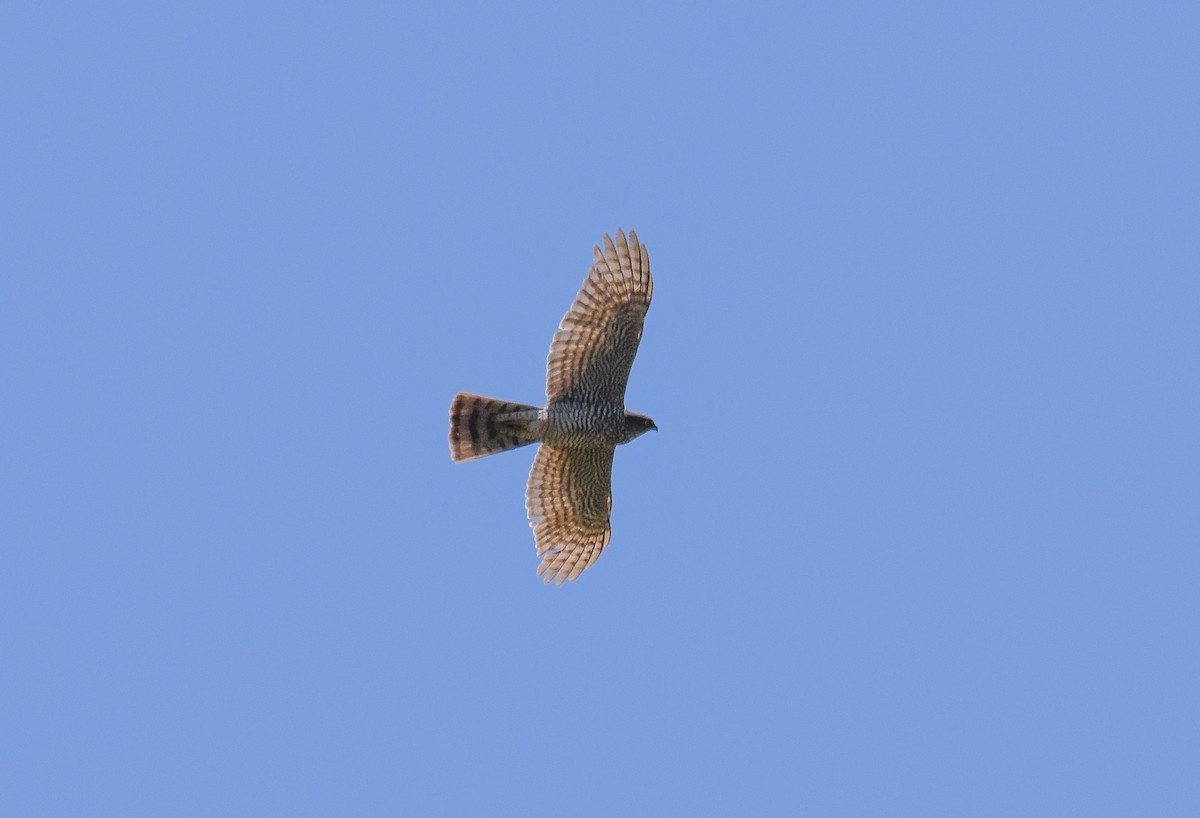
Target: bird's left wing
point(569, 499)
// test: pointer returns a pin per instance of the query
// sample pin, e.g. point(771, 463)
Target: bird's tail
point(481, 426)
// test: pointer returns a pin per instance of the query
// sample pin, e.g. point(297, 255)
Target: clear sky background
point(919, 534)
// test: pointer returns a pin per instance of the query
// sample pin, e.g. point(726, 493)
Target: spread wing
point(593, 350)
point(569, 499)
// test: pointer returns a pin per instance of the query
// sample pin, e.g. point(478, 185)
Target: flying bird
point(569, 496)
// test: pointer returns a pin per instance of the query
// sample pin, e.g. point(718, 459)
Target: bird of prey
point(569, 496)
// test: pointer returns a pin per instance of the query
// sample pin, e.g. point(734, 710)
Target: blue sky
point(919, 533)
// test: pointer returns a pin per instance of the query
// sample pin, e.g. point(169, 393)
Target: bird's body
point(582, 425)
point(569, 494)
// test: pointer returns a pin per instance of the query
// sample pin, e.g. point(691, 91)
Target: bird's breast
point(582, 424)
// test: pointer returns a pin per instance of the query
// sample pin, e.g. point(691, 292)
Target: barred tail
point(477, 427)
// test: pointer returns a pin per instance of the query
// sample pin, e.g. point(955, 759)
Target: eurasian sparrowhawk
point(569, 496)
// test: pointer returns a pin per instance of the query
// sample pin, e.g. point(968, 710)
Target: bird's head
point(636, 424)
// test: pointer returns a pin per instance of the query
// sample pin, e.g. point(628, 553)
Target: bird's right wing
point(569, 498)
point(593, 350)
